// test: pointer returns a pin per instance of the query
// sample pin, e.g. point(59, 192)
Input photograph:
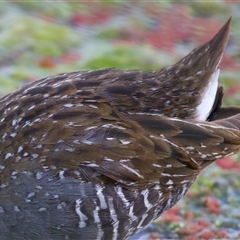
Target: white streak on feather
point(103, 204)
point(207, 101)
point(133, 171)
point(82, 217)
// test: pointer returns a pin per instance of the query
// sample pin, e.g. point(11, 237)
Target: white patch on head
point(205, 107)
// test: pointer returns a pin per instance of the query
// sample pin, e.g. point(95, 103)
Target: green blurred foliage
point(126, 57)
point(44, 38)
point(208, 8)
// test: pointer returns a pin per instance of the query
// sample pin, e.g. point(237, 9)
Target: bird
point(100, 154)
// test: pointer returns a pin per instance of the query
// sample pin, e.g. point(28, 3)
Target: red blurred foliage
point(201, 229)
point(212, 205)
point(170, 29)
point(96, 16)
point(31, 79)
point(160, 40)
point(46, 17)
point(228, 163)
point(154, 235)
point(233, 89)
point(221, 234)
point(206, 234)
point(191, 228)
point(46, 62)
point(203, 222)
point(188, 215)
point(172, 215)
point(70, 57)
point(191, 193)
point(212, 234)
point(123, 42)
point(228, 63)
point(203, 29)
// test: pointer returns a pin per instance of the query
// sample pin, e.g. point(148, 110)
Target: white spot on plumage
point(39, 175)
point(89, 128)
point(16, 208)
point(179, 175)
point(68, 105)
point(124, 160)
point(1, 167)
point(70, 149)
point(42, 209)
point(203, 146)
point(107, 125)
point(20, 148)
point(31, 194)
point(3, 185)
point(92, 106)
point(190, 148)
point(8, 155)
point(208, 62)
point(166, 175)
point(207, 48)
point(18, 158)
point(92, 165)
point(124, 142)
point(110, 138)
point(14, 122)
point(154, 89)
point(87, 142)
point(108, 159)
point(185, 181)
point(169, 182)
point(31, 107)
point(61, 174)
point(156, 165)
point(14, 173)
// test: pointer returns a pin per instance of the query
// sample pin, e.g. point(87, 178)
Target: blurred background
point(42, 38)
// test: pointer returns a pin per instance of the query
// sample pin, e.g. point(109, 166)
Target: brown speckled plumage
point(100, 154)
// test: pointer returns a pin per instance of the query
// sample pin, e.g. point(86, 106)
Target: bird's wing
point(96, 140)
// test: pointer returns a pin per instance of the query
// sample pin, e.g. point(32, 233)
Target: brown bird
point(100, 154)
